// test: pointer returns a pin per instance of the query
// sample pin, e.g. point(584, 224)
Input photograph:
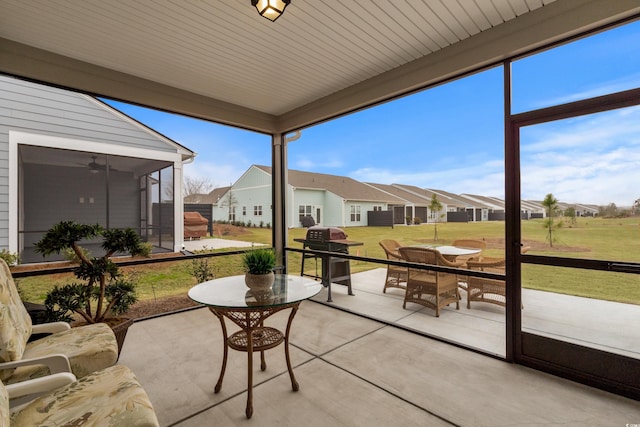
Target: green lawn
point(595, 238)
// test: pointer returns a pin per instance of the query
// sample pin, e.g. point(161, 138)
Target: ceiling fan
point(95, 167)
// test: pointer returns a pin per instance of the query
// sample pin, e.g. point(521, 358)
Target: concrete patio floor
point(355, 371)
point(604, 325)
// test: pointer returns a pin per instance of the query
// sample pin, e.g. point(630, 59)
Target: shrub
point(202, 270)
point(11, 258)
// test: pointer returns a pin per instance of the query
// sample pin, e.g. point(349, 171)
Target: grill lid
point(322, 234)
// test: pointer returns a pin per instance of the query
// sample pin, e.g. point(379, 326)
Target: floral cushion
point(89, 348)
point(15, 323)
point(111, 397)
point(4, 406)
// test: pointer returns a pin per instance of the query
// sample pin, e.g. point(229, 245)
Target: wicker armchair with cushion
point(431, 289)
point(486, 290)
point(396, 276)
point(468, 243)
point(87, 348)
point(109, 397)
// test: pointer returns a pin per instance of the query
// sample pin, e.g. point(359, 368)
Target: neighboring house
point(467, 209)
point(494, 206)
point(413, 206)
point(68, 156)
point(580, 209)
point(426, 215)
point(586, 210)
point(333, 200)
point(532, 209)
point(330, 200)
point(198, 198)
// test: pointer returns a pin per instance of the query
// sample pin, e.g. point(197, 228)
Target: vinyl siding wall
point(42, 110)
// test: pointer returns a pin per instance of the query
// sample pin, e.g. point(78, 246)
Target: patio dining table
point(451, 252)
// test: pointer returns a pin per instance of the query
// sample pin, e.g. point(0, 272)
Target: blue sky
point(451, 137)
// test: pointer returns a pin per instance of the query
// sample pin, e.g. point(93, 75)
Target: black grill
point(334, 270)
point(330, 239)
point(325, 234)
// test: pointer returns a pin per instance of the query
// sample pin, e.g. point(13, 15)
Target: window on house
point(257, 210)
point(244, 211)
point(355, 213)
point(232, 213)
point(304, 210)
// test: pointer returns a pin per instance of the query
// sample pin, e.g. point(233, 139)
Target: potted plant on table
point(258, 265)
point(104, 293)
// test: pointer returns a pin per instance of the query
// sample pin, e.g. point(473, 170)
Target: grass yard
point(594, 238)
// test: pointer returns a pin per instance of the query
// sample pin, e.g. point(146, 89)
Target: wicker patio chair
point(396, 276)
point(468, 243)
point(486, 290)
point(431, 289)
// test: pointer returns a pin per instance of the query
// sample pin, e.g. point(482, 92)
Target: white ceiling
point(223, 53)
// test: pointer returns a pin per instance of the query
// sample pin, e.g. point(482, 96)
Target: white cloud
point(304, 163)
point(220, 175)
point(617, 85)
point(591, 159)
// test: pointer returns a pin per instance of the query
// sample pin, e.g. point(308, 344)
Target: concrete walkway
point(215, 243)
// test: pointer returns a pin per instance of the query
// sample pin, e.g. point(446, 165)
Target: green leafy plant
point(202, 270)
point(259, 261)
point(435, 207)
point(104, 291)
point(11, 258)
point(551, 203)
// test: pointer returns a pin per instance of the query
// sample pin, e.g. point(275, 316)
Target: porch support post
point(279, 185)
point(178, 207)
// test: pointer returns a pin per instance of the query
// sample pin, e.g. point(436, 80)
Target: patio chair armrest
point(50, 328)
point(38, 386)
point(55, 362)
point(455, 263)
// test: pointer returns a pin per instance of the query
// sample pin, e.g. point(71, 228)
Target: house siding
point(308, 197)
point(41, 109)
point(32, 109)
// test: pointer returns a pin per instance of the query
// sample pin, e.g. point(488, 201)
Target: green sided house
point(331, 200)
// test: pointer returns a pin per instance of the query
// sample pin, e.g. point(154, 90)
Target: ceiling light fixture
point(270, 9)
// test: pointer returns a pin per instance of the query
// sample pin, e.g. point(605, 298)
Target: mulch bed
point(149, 308)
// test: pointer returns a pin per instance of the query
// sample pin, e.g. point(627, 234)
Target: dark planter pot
point(120, 326)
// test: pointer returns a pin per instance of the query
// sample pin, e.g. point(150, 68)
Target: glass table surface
point(450, 250)
point(231, 292)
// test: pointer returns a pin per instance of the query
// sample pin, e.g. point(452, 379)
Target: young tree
point(570, 212)
point(551, 203)
point(609, 211)
point(636, 207)
point(197, 186)
point(435, 206)
point(230, 202)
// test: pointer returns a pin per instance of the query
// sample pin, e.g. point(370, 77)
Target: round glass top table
point(451, 251)
point(229, 297)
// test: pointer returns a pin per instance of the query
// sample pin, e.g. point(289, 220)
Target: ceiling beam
point(43, 66)
point(551, 23)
